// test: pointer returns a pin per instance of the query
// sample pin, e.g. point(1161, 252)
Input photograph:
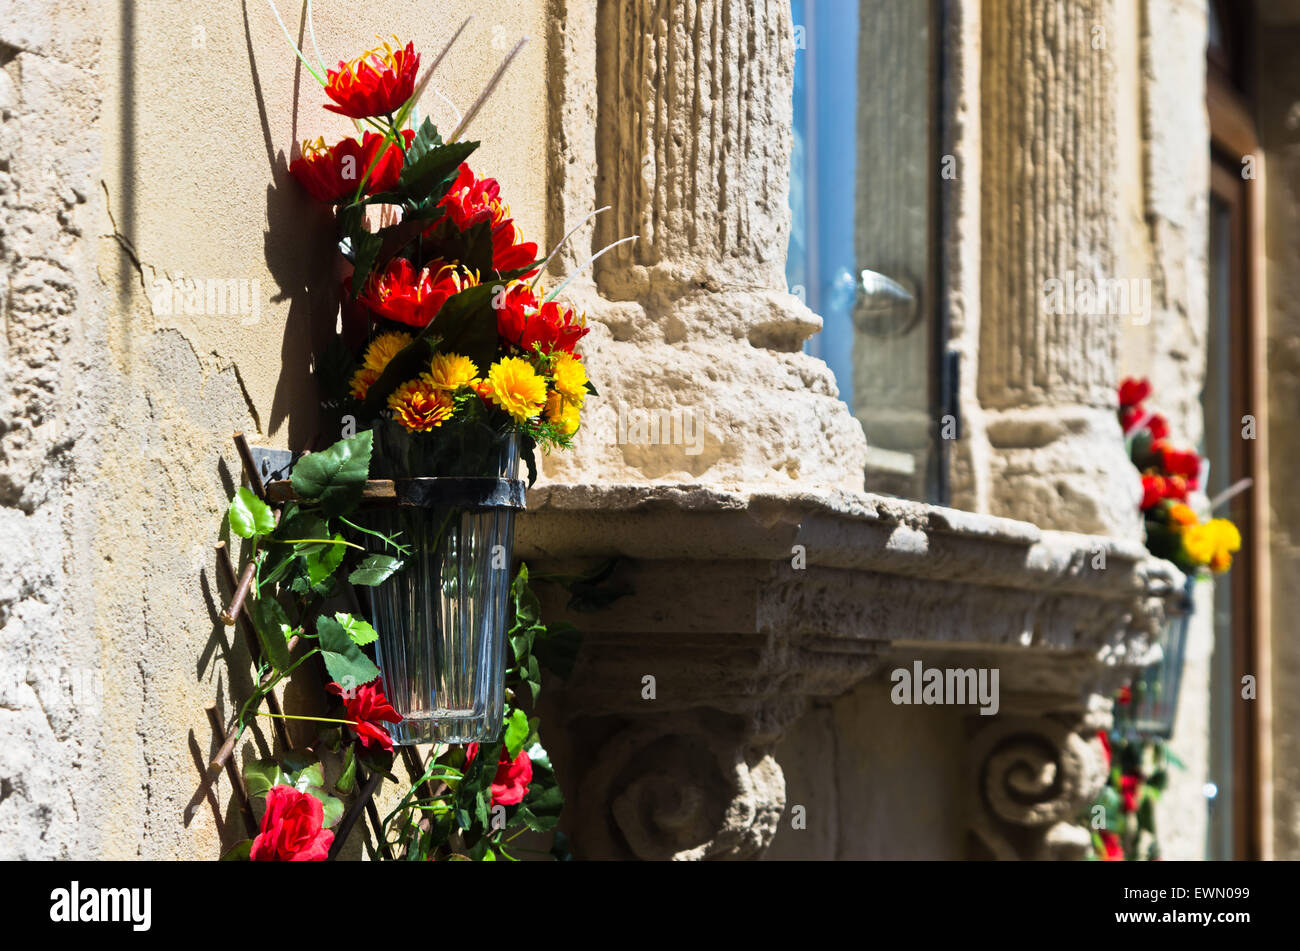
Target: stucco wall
point(154, 145)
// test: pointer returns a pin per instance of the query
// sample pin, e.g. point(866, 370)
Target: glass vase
point(442, 619)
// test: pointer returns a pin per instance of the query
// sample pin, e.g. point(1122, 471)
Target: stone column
point(689, 144)
point(1047, 372)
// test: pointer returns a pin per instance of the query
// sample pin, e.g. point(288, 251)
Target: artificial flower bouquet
point(1171, 487)
point(448, 343)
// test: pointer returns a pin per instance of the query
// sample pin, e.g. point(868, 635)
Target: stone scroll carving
point(1033, 776)
point(679, 787)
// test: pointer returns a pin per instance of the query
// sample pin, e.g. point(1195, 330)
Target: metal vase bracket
point(442, 619)
point(1155, 689)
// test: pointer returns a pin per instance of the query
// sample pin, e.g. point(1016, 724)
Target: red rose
point(1133, 391)
point(368, 708)
point(510, 785)
point(1128, 789)
point(291, 828)
point(1113, 851)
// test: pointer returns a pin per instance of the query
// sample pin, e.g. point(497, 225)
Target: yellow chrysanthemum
point(1212, 543)
point(517, 388)
point(362, 381)
point(570, 378)
point(1182, 514)
point(563, 413)
point(383, 348)
point(419, 407)
point(450, 371)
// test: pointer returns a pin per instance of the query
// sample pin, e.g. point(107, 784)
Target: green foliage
point(344, 660)
point(248, 515)
point(335, 477)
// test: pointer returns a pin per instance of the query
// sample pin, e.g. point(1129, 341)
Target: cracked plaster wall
point(146, 141)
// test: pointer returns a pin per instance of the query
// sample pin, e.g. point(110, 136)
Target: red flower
point(1159, 426)
point(1105, 745)
point(376, 83)
point(1128, 788)
point(472, 200)
point(1130, 416)
point(291, 828)
point(368, 708)
point(400, 294)
point(332, 174)
point(1154, 489)
point(547, 327)
point(1133, 391)
point(1181, 462)
point(1110, 842)
point(1125, 696)
point(510, 785)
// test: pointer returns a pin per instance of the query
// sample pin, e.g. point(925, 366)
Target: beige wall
point(154, 142)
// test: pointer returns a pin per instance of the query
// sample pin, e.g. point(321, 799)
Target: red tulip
point(291, 828)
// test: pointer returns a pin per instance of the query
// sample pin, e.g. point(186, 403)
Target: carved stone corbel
point(1033, 776)
point(677, 787)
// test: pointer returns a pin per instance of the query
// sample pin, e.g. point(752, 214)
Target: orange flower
point(362, 381)
point(419, 407)
point(375, 83)
point(1182, 514)
point(402, 295)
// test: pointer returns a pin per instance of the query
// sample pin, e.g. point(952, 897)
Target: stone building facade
point(772, 591)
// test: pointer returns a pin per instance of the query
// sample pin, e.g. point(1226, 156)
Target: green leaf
point(344, 661)
point(375, 570)
point(239, 852)
point(273, 630)
point(348, 778)
point(366, 246)
point(424, 175)
point(336, 476)
point(322, 561)
point(516, 734)
point(360, 632)
point(332, 805)
point(248, 515)
point(557, 649)
point(299, 770)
